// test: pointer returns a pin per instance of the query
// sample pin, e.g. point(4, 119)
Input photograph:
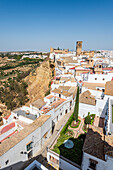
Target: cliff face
point(38, 82)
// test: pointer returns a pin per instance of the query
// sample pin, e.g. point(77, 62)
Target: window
point(54, 160)
point(92, 164)
point(7, 162)
point(66, 111)
point(103, 90)
point(30, 155)
point(29, 146)
point(45, 135)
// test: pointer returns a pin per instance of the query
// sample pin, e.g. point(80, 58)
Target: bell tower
point(78, 48)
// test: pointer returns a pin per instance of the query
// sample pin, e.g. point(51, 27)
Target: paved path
point(78, 131)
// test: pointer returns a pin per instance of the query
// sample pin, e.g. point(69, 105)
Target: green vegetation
point(19, 56)
point(20, 64)
point(22, 75)
point(49, 84)
point(10, 56)
point(65, 128)
point(52, 73)
point(89, 119)
point(14, 94)
point(47, 93)
point(74, 154)
point(98, 51)
point(84, 128)
point(76, 109)
point(73, 117)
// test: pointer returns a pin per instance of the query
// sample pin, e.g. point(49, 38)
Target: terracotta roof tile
point(96, 143)
point(17, 137)
point(87, 98)
point(92, 85)
point(49, 97)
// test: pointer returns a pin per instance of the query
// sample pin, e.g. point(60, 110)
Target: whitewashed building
point(24, 144)
point(97, 150)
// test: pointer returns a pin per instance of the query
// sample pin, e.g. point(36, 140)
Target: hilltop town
point(56, 110)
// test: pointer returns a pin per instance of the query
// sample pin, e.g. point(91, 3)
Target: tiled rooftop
point(58, 102)
point(17, 137)
point(38, 103)
point(96, 143)
point(93, 85)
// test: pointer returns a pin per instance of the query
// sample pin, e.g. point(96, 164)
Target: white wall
point(56, 113)
point(85, 108)
point(48, 100)
point(86, 163)
point(102, 165)
point(99, 109)
point(110, 124)
point(62, 163)
point(14, 154)
point(101, 78)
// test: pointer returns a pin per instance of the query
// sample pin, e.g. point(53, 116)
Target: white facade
point(62, 163)
point(19, 153)
point(110, 114)
point(99, 109)
point(100, 78)
point(58, 112)
point(101, 165)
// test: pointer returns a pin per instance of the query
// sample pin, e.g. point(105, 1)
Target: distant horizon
point(54, 48)
point(39, 25)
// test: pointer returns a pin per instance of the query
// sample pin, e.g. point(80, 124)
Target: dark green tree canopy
point(76, 109)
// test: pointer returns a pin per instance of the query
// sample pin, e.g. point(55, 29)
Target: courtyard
point(77, 136)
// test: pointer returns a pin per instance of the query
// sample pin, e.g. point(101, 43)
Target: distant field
point(10, 69)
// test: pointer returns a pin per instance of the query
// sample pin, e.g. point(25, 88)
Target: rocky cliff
point(38, 81)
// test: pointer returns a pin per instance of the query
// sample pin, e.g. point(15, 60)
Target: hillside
point(38, 81)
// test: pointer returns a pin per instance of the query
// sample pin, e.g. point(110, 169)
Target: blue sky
point(41, 24)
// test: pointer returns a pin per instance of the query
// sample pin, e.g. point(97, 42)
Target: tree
point(76, 109)
point(87, 120)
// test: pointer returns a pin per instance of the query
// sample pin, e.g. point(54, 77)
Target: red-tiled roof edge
point(8, 136)
point(7, 127)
